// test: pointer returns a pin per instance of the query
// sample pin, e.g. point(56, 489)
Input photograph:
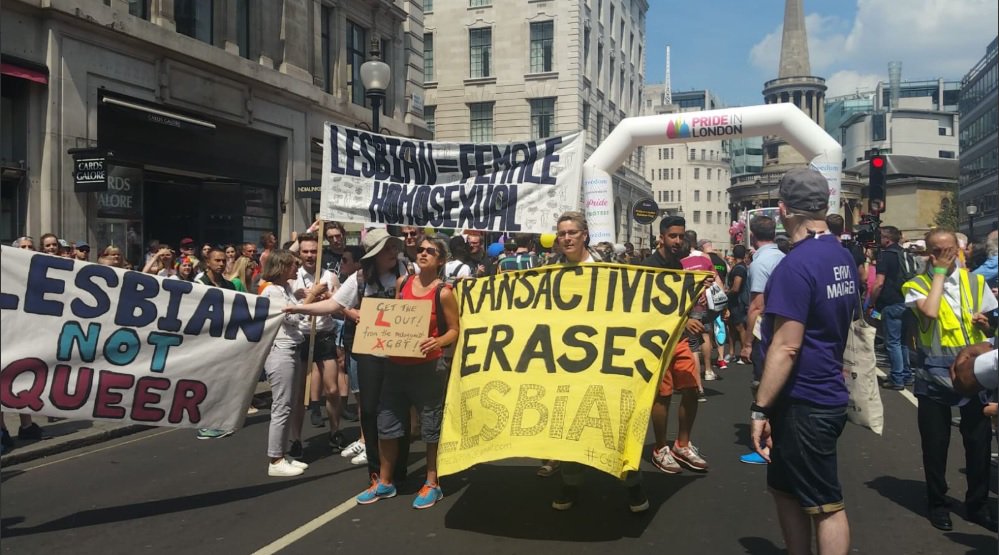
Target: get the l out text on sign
point(392, 327)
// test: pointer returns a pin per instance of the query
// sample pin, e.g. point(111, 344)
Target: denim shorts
point(803, 457)
point(418, 385)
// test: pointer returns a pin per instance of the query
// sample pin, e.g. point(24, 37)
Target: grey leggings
point(284, 372)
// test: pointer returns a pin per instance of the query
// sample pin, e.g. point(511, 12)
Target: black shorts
point(325, 346)
point(420, 385)
point(736, 314)
point(803, 457)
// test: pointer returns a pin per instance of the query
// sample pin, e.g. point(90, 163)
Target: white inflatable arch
point(784, 120)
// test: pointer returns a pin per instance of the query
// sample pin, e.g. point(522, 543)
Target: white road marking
point(78, 455)
point(905, 392)
point(318, 522)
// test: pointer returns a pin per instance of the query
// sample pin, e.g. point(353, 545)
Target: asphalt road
point(162, 491)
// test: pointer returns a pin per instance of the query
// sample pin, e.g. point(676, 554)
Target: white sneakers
point(709, 375)
point(360, 459)
point(286, 467)
point(352, 450)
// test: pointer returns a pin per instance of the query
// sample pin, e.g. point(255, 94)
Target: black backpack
point(906, 266)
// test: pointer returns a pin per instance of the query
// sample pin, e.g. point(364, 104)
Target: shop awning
point(21, 72)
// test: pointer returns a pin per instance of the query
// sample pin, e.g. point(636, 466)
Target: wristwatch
point(758, 413)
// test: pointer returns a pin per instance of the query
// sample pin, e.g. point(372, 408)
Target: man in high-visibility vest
point(951, 306)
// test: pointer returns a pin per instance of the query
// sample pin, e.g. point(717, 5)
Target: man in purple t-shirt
point(812, 298)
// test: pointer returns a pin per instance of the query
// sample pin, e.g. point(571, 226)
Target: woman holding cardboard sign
point(417, 381)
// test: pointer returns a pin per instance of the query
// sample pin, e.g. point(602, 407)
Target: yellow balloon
point(429, 230)
point(547, 240)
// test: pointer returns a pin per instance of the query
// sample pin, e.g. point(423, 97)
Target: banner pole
point(321, 232)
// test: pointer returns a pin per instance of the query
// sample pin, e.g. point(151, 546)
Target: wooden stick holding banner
point(320, 233)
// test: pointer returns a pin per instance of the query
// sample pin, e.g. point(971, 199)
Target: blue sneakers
point(428, 496)
point(752, 458)
point(377, 491)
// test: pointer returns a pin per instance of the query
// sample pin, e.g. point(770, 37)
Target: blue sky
point(733, 46)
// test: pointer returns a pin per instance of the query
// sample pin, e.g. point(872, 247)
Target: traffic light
point(878, 173)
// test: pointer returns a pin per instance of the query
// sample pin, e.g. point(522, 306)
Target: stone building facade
point(503, 70)
point(210, 111)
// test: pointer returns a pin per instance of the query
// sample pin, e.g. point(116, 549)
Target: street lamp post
point(375, 75)
point(971, 209)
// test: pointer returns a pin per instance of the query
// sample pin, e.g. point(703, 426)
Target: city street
point(161, 491)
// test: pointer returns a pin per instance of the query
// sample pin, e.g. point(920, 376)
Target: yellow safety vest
point(949, 332)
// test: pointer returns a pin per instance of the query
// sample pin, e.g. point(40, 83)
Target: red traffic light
point(878, 162)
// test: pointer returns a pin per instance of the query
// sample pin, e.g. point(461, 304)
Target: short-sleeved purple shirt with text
point(815, 284)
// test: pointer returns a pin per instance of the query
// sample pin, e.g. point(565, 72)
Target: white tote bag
point(859, 366)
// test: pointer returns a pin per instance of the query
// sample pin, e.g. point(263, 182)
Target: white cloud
point(847, 82)
point(932, 39)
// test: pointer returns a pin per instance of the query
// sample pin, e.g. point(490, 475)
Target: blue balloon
point(494, 250)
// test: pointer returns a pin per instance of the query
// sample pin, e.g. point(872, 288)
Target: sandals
point(547, 469)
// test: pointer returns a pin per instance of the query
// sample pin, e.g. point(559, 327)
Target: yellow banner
point(562, 362)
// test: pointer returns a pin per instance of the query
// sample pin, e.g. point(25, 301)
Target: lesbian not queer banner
point(562, 362)
point(92, 342)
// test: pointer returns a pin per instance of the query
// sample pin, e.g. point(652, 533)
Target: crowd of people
point(769, 304)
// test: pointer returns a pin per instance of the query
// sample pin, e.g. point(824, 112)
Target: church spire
point(794, 42)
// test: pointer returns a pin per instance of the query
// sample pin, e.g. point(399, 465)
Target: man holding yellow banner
point(563, 362)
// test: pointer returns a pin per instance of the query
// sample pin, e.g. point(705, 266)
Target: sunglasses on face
point(429, 250)
point(410, 233)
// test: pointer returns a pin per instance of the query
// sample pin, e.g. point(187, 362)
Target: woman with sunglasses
point(417, 381)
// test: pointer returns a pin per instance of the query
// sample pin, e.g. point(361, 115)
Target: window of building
point(586, 115)
point(612, 17)
point(428, 5)
point(945, 154)
point(709, 195)
point(542, 117)
point(357, 41)
point(719, 217)
point(697, 173)
point(879, 129)
point(709, 175)
point(610, 77)
point(693, 154)
point(697, 216)
point(194, 18)
point(430, 116)
point(620, 93)
point(697, 195)
point(326, 15)
point(542, 38)
point(479, 3)
point(481, 121)
point(702, 155)
point(428, 57)
point(586, 50)
point(631, 44)
point(679, 195)
point(243, 27)
point(600, 126)
point(480, 42)
point(708, 215)
point(139, 8)
point(620, 35)
point(600, 64)
point(678, 172)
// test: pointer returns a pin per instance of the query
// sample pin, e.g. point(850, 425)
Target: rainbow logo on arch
point(677, 129)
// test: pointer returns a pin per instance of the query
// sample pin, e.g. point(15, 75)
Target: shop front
point(174, 174)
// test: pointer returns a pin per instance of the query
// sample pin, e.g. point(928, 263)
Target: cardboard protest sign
point(92, 342)
point(562, 362)
point(392, 327)
point(511, 187)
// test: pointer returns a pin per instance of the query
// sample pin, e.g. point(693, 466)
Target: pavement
point(63, 435)
point(162, 491)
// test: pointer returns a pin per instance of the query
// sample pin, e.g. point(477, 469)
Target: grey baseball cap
point(804, 189)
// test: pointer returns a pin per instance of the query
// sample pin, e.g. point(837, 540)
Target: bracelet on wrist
point(757, 408)
point(939, 271)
